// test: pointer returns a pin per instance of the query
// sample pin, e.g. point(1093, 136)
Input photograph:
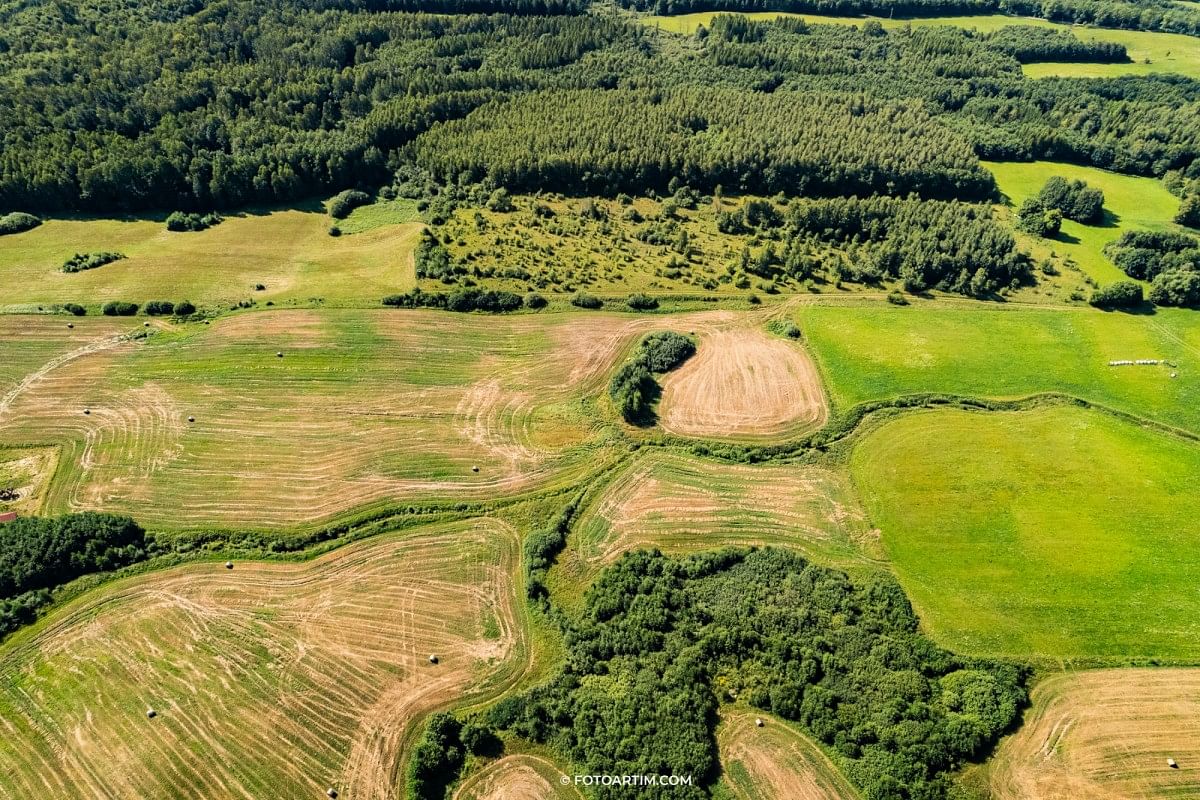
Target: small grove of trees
point(1120, 294)
point(343, 203)
point(1189, 211)
point(1145, 254)
point(180, 221)
point(659, 637)
point(633, 388)
point(38, 554)
point(1075, 199)
point(1029, 44)
point(1034, 218)
point(17, 222)
point(81, 261)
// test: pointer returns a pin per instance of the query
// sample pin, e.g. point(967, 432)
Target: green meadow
point(1149, 52)
point(1061, 534)
point(868, 353)
point(1131, 202)
point(288, 252)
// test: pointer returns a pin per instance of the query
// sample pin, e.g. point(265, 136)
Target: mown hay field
point(291, 417)
point(1058, 535)
point(743, 383)
point(1103, 735)
point(267, 680)
point(517, 777)
point(289, 252)
point(775, 762)
point(878, 352)
point(684, 504)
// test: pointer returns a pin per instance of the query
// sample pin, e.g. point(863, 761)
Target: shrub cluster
point(1035, 218)
point(81, 261)
point(1074, 199)
point(180, 221)
point(343, 203)
point(584, 300)
point(633, 388)
point(17, 222)
point(74, 309)
point(1119, 294)
point(472, 299)
point(119, 308)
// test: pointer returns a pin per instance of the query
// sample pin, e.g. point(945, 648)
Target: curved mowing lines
point(775, 762)
point(743, 383)
point(270, 680)
point(680, 503)
point(517, 777)
point(1105, 735)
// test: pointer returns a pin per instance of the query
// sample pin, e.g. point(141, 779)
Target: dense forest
point(194, 107)
point(662, 641)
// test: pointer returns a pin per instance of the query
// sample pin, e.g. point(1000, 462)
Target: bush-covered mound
point(633, 389)
point(17, 222)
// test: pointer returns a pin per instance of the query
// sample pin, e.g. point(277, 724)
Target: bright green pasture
point(1059, 534)
point(1167, 52)
point(869, 353)
point(1131, 202)
point(378, 215)
point(289, 252)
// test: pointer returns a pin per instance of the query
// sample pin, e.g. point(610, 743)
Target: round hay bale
point(1171, 763)
point(331, 793)
point(70, 324)
point(191, 419)
point(145, 324)
point(433, 659)
point(151, 713)
point(228, 565)
point(475, 469)
point(279, 354)
point(87, 411)
point(758, 721)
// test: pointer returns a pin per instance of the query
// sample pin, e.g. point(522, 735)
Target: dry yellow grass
point(517, 777)
point(1105, 735)
point(743, 383)
point(775, 762)
point(269, 680)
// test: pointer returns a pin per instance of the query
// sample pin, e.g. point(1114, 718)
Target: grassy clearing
point(1102, 734)
point(1056, 534)
point(269, 680)
point(1166, 52)
point(289, 252)
point(682, 504)
point(24, 478)
point(363, 409)
point(775, 762)
point(517, 777)
point(379, 215)
point(1131, 202)
point(869, 353)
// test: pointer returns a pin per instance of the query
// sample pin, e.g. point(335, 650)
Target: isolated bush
point(583, 300)
point(74, 308)
point(897, 299)
point(184, 308)
point(535, 301)
point(335, 231)
point(81, 261)
point(17, 222)
point(641, 302)
point(1122, 294)
point(342, 203)
point(160, 308)
point(118, 308)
